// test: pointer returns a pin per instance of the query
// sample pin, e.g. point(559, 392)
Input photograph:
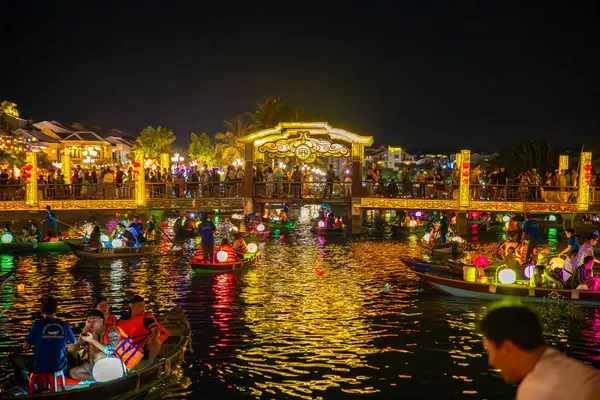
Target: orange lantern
point(465, 181)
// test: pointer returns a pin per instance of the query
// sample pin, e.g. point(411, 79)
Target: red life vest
point(138, 332)
point(110, 320)
point(127, 351)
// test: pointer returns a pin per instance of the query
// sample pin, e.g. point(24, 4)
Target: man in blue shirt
point(572, 242)
point(50, 223)
point(137, 229)
point(207, 230)
point(532, 230)
point(49, 337)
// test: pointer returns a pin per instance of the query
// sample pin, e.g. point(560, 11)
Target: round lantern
point(27, 167)
point(528, 272)
point(466, 173)
point(104, 238)
point(108, 369)
point(465, 181)
point(28, 181)
point(507, 276)
point(252, 247)
point(6, 238)
point(260, 228)
point(222, 256)
point(117, 243)
point(506, 218)
point(27, 175)
point(321, 224)
point(136, 164)
point(136, 172)
point(588, 167)
point(466, 165)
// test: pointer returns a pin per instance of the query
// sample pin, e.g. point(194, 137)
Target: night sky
point(476, 74)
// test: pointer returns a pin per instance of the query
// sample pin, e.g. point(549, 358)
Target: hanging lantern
point(465, 181)
point(466, 165)
point(466, 173)
point(136, 172)
point(588, 167)
point(27, 175)
point(28, 181)
point(27, 167)
point(136, 164)
point(588, 176)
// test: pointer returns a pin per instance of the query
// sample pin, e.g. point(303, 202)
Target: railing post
point(585, 180)
point(65, 162)
point(563, 163)
point(465, 173)
point(31, 189)
point(140, 180)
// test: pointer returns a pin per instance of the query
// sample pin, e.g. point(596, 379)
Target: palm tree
point(269, 113)
point(228, 144)
point(536, 153)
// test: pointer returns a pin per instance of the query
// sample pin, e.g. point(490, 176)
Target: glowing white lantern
point(252, 247)
point(116, 243)
point(275, 218)
point(557, 262)
point(507, 276)
point(528, 272)
point(108, 369)
point(222, 256)
point(260, 228)
point(427, 237)
point(458, 239)
point(412, 223)
point(506, 218)
point(321, 224)
point(6, 238)
point(104, 238)
point(234, 229)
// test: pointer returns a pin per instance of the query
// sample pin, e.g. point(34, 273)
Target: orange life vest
point(138, 332)
point(231, 256)
point(127, 351)
point(110, 320)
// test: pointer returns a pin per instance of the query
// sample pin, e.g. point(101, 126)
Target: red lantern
point(588, 167)
point(27, 181)
point(135, 172)
point(27, 175)
point(136, 164)
point(588, 182)
point(466, 165)
point(27, 167)
point(136, 180)
point(466, 181)
point(466, 173)
point(588, 176)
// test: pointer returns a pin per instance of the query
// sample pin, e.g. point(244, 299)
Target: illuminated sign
point(304, 146)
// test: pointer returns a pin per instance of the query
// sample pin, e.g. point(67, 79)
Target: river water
point(316, 319)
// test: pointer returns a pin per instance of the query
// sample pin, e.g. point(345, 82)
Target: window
point(396, 156)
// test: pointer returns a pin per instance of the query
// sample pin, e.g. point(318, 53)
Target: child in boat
point(27, 236)
point(36, 232)
point(542, 277)
point(239, 244)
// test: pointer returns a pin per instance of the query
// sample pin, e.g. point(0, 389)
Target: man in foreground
point(515, 344)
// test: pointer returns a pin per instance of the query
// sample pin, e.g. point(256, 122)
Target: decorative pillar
point(139, 180)
point(465, 172)
point(358, 153)
point(165, 162)
point(31, 188)
point(247, 189)
point(65, 161)
point(585, 180)
point(563, 163)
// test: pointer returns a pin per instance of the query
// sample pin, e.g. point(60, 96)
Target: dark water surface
point(363, 326)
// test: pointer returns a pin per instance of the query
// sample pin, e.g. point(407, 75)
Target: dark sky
point(473, 74)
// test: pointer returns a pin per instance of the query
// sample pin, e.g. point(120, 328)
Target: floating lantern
point(252, 247)
point(275, 218)
point(108, 369)
point(6, 238)
point(528, 271)
point(260, 228)
point(427, 237)
point(222, 256)
point(321, 224)
point(458, 239)
point(552, 218)
point(117, 243)
point(507, 276)
point(412, 223)
point(506, 218)
point(104, 238)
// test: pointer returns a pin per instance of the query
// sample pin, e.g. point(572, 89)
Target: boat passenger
point(9, 232)
point(330, 221)
point(207, 230)
point(531, 230)
point(582, 277)
point(151, 229)
point(137, 228)
point(95, 236)
point(36, 232)
point(226, 247)
point(586, 249)
point(126, 235)
point(49, 337)
point(510, 260)
point(541, 277)
point(567, 269)
point(283, 218)
point(143, 328)
point(339, 223)
point(572, 242)
point(239, 244)
point(543, 255)
point(514, 340)
point(27, 236)
point(51, 218)
point(101, 304)
point(105, 341)
point(444, 228)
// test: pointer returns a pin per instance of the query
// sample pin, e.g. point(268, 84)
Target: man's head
point(95, 319)
point(48, 208)
point(49, 305)
point(510, 251)
point(137, 305)
point(527, 216)
point(511, 335)
point(569, 232)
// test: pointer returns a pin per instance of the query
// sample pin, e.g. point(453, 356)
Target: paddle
point(75, 229)
point(165, 235)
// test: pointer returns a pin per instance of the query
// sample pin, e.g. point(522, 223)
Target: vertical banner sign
point(65, 162)
point(465, 172)
point(139, 179)
point(585, 181)
point(563, 163)
point(31, 169)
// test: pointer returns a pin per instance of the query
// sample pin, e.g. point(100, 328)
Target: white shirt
point(558, 377)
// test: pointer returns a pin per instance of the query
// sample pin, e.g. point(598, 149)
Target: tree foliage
point(228, 144)
point(524, 155)
point(9, 108)
point(202, 150)
point(152, 142)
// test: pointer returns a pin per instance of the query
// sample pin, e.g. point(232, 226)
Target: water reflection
point(317, 318)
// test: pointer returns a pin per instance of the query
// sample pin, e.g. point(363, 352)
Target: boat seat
point(51, 378)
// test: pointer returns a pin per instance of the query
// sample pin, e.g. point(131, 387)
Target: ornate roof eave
point(334, 133)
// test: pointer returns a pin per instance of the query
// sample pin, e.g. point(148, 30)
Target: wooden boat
point(432, 267)
point(184, 232)
point(98, 252)
point(287, 225)
point(138, 381)
point(444, 248)
point(40, 247)
point(250, 260)
point(487, 291)
point(4, 278)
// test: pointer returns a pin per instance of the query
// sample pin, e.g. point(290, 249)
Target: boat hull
point(431, 267)
point(483, 291)
point(99, 253)
point(443, 248)
point(224, 267)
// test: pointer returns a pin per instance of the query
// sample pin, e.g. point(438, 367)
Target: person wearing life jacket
point(226, 247)
point(143, 328)
point(283, 218)
point(105, 341)
point(101, 304)
point(239, 244)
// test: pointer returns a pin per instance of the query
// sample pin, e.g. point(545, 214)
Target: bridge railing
point(189, 190)
point(523, 193)
point(12, 192)
point(85, 191)
point(298, 190)
point(439, 190)
point(595, 195)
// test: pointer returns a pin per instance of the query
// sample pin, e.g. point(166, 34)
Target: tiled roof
point(36, 134)
point(84, 136)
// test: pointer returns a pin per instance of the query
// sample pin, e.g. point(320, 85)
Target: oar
point(75, 229)
point(165, 235)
